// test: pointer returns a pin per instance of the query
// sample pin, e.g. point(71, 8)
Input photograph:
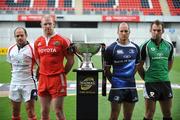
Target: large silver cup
point(86, 51)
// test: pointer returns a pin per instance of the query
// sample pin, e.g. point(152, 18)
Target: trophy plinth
point(85, 51)
point(87, 81)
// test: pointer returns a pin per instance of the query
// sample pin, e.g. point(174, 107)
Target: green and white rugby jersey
point(156, 60)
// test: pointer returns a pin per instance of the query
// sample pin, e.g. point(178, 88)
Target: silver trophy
point(86, 51)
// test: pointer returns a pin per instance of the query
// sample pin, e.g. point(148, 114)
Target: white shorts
point(18, 93)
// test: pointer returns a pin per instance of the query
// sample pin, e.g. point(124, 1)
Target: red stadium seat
point(174, 7)
point(38, 5)
point(123, 5)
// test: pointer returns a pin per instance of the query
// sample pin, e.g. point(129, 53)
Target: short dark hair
point(20, 28)
point(157, 22)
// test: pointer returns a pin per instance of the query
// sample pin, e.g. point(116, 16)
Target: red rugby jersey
point(51, 56)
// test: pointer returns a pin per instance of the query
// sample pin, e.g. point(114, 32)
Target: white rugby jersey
point(22, 61)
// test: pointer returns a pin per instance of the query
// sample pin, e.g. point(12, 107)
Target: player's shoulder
point(112, 45)
point(145, 43)
point(31, 44)
point(11, 46)
point(134, 44)
point(39, 39)
point(167, 42)
point(61, 37)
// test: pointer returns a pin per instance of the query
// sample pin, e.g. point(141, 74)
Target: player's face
point(156, 31)
point(47, 24)
point(123, 32)
point(20, 36)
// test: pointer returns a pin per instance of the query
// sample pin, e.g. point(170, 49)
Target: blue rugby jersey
point(123, 59)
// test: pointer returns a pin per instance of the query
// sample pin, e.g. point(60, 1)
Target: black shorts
point(158, 91)
point(123, 95)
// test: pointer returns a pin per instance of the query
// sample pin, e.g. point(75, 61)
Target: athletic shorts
point(53, 86)
point(18, 93)
point(158, 91)
point(123, 95)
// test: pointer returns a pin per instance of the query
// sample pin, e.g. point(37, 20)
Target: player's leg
point(116, 98)
point(150, 106)
point(166, 106)
point(166, 100)
point(15, 96)
point(128, 110)
point(30, 110)
point(151, 95)
point(129, 103)
point(115, 110)
point(58, 91)
point(44, 96)
point(45, 102)
point(57, 104)
point(29, 101)
point(16, 108)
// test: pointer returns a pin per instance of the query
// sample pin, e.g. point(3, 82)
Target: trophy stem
point(87, 64)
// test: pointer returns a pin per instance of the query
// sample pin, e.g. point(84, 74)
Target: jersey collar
point(22, 46)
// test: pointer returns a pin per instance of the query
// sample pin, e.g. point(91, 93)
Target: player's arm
point(140, 67)
point(36, 54)
point(107, 72)
point(69, 55)
point(70, 61)
point(137, 59)
point(171, 58)
point(108, 63)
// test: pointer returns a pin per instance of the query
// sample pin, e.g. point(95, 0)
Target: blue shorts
point(123, 95)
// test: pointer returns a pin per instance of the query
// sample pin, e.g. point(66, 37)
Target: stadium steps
point(164, 7)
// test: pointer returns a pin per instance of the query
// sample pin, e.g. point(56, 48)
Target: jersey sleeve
point(108, 56)
point(8, 57)
point(65, 42)
point(66, 45)
point(36, 54)
point(171, 55)
point(143, 52)
point(138, 54)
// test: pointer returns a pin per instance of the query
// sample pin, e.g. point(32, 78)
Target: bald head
point(123, 24)
point(47, 17)
point(123, 33)
point(48, 24)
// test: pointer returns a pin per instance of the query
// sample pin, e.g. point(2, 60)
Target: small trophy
point(86, 51)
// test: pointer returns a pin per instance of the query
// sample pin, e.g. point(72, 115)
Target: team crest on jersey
point(131, 51)
point(56, 43)
point(120, 52)
point(39, 44)
point(153, 49)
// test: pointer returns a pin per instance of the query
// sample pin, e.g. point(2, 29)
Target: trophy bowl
point(86, 51)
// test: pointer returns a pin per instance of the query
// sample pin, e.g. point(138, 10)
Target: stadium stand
point(174, 6)
point(94, 7)
point(122, 7)
point(101, 7)
point(95, 20)
point(37, 6)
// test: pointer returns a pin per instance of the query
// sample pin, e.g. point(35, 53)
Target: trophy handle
point(73, 49)
point(103, 46)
